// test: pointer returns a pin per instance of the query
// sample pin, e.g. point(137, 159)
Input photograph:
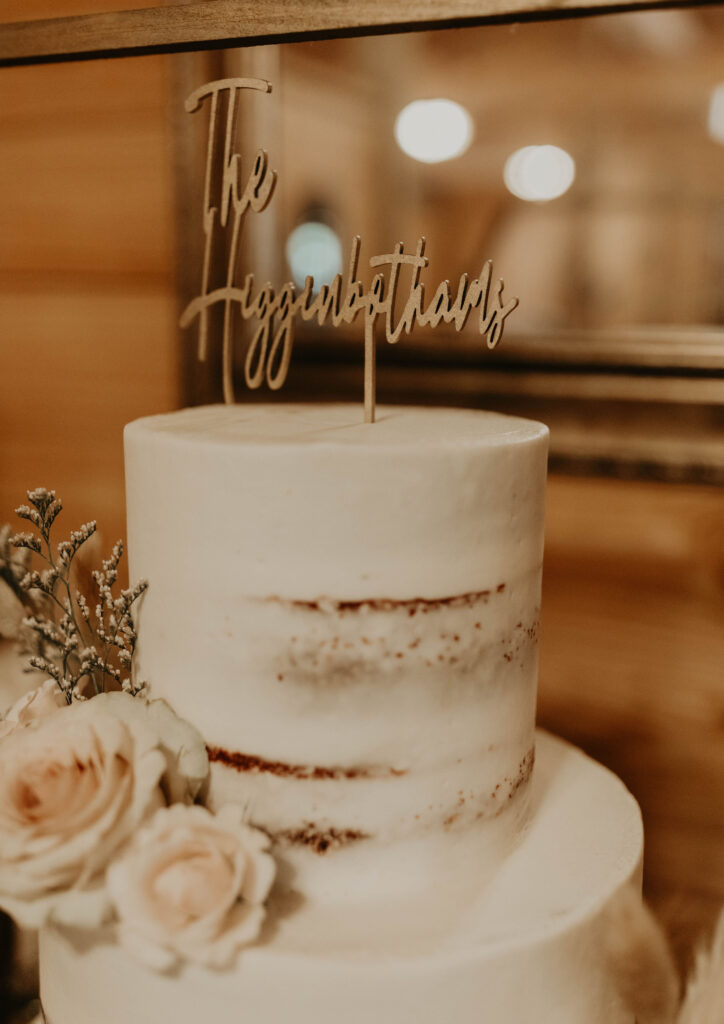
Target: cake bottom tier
point(530, 948)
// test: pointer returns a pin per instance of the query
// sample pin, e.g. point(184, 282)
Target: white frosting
point(305, 501)
point(348, 612)
point(528, 950)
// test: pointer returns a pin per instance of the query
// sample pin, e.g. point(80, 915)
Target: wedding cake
point(349, 615)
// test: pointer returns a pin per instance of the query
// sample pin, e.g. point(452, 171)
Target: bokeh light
point(433, 130)
point(539, 173)
point(313, 249)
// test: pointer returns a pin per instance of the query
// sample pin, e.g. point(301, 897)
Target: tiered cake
point(349, 613)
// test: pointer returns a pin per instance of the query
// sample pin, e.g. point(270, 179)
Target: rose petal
point(243, 927)
point(80, 908)
point(43, 700)
point(183, 746)
point(151, 953)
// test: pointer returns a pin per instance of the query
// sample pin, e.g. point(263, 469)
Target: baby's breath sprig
point(80, 648)
point(14, 564)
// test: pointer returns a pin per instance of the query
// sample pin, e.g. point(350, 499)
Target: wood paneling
point(78, 365)
point(226, 23)
point(632, 663)
point(87, 290)
point(85, 172)
point(33, 10)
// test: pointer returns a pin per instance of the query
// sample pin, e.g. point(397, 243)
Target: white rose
point(182, 745)
point(74, 786)
point(44, 700)
point(191, 887)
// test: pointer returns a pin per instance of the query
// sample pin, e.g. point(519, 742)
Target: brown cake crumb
point(320, 841)
point(252, 763)
point(384, 604)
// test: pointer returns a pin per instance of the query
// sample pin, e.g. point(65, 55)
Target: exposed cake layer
point(408, 732)
point(530, 949)
point(349, 614)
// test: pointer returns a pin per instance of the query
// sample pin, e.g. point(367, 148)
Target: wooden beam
point(216, 24)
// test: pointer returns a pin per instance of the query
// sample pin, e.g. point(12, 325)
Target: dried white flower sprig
point(14, 566)
point(85, 650)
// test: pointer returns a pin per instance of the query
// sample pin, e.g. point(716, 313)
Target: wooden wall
point(632, 668)
point(87, 301)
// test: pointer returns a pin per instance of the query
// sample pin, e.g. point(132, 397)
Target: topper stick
point(370, 370)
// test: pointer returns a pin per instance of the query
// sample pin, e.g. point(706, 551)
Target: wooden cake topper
point(226, 202)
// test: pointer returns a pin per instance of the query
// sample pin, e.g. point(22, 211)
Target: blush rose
point(74, 787)
point(191, 887)
point(42, 701)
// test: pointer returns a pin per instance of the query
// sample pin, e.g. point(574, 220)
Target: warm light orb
point(539, 173)
point(314, 250)
point(716, 114)
point(433, 130)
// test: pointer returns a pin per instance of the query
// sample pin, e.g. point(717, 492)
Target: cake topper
point(227, 200)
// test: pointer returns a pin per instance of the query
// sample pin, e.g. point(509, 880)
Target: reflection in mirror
point(585, 157)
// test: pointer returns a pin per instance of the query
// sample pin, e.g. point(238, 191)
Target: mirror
point(589, 166)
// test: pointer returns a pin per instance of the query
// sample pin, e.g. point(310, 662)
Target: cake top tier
point(303, 501)
point(341, 424)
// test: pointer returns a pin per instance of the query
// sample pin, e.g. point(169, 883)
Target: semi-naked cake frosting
point(349, 613)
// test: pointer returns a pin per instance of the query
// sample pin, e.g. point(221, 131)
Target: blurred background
point(586, 158)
